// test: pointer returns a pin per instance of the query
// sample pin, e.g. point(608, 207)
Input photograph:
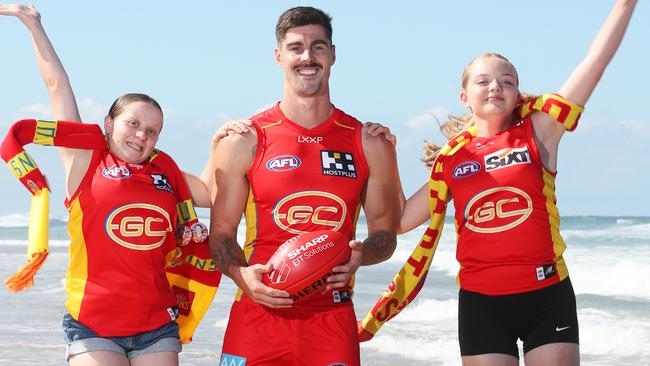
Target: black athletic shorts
point(492, 324)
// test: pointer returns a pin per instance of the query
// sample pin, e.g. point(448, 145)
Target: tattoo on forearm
point(227, 252)
point(378, 247)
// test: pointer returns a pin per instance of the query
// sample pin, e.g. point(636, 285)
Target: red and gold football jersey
point(302, 180)
point(506, 218)
point(121, 226)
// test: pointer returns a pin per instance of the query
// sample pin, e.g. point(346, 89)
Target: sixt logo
point(506, 157)
point(138, 226)
point(465, 169)
point(116, 172)
point(283, 163)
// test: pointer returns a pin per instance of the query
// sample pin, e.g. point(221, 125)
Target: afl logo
point(497, 209)
point(307, 211)
point(138, 226)
point(283, 163)
point(116, 172)
point(466, 169)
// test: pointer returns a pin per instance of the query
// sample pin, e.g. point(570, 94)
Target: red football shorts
point(257, 335)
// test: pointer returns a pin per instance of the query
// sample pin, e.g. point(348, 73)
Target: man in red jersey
point(307, 166)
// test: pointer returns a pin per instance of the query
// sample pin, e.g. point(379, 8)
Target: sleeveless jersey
point(506, 219)
point(121, 226)
point(302, 180)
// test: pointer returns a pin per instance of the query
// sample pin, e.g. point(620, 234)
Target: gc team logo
point(307, 211)
point(138, 226)
point(497, 209)
point(283, 163)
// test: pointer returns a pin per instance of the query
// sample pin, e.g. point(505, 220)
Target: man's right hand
point(249, 279)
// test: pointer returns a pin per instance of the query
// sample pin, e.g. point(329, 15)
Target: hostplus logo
point(339, 164)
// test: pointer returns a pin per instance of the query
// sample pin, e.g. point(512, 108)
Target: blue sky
point(397, 63)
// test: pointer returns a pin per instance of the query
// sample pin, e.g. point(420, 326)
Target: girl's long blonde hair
point(454, 125)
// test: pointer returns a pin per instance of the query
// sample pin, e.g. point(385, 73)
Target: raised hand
point(26, 13)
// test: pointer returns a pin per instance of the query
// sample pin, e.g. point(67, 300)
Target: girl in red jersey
point(499, 168)
point(122, 205)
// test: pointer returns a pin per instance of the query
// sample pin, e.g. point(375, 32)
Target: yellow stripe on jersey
point(250, 214)
point(251, 226)
point(272, 124)
point(554, 220)
point(77, 275)
point(343, 125)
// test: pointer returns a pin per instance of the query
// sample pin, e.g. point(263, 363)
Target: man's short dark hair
point(302, 15)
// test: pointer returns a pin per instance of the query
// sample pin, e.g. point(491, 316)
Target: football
point(302, 264)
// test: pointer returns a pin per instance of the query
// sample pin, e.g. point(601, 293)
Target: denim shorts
point(82, 339)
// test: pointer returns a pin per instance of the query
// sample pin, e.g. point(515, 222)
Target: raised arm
point(584, 78)
point(227, 210)
point(582, 81)
point(62, 99)
point(64, 105)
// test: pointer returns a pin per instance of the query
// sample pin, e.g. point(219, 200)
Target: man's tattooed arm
point(378, 247)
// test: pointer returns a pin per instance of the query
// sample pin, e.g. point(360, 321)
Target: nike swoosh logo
point(558, 329)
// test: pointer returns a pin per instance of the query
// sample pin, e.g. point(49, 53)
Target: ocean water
point(608, 258)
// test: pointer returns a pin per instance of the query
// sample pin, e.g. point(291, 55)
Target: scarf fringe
point(24, 278)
